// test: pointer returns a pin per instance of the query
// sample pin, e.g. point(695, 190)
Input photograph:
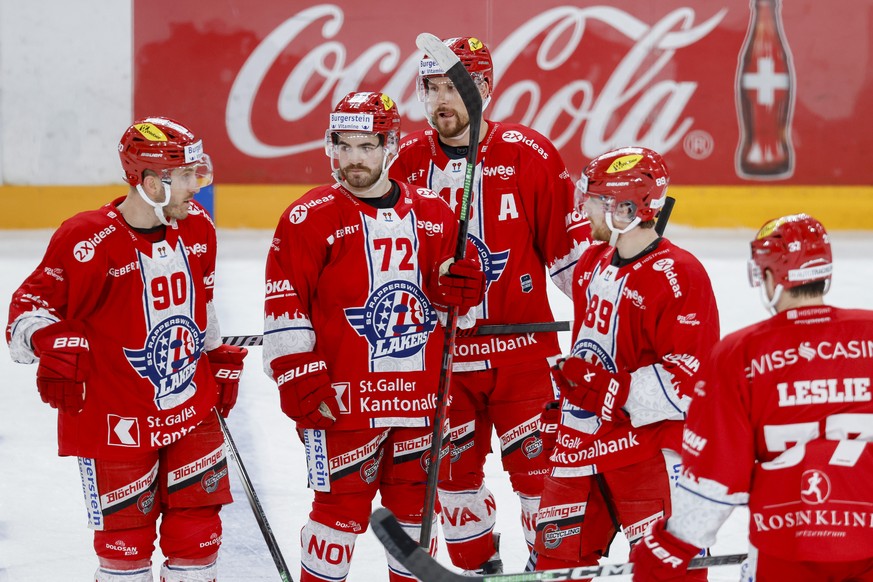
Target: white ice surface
point(42, 517)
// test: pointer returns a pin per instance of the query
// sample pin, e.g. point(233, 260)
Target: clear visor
point(582, 196)
point(333, 150)
point(192, 176)
point(430, 89)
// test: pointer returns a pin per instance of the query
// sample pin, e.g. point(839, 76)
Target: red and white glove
point(660, 556)
point(226, 363)
point(305, 392)
point(461, 283)
point(64, 364)
point(550, 418)
point(592, 388)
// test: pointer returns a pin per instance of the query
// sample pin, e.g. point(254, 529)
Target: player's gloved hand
point(304, 390)
point(226, 363)
point(660, 556)
point(461, 283)
point(592, 388)
point(550, 418)
point(64, 364)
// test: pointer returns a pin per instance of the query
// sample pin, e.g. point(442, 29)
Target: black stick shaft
point(472, 99)
point(255, 503)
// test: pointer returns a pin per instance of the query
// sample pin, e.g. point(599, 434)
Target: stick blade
point(406, 550)
point(437, 50)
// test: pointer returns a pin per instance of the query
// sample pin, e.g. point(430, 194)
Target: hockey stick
point(469, 93)
point(257, 509)
point(664, 215)
point(424, 567)
point(491, 329)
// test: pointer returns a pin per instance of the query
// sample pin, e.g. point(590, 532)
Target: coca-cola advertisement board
point(731, 92)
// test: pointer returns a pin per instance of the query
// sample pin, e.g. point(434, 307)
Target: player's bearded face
point(183, 187)
point(596, 209)
point(446, 108)
point(360, 159)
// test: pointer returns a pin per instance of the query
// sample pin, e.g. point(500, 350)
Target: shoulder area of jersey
point(100, 220)
point(669, 252)
point(311, 202)
point(198, 212)
point(525, 139)
point(421, 137)
point(417, 191)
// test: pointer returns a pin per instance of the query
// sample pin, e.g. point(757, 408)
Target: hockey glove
point(660, 556)
point(305, 392)
point(64, 364)
point(461, 283)
point(592, 388)
point(550, 418)
point(226, 363)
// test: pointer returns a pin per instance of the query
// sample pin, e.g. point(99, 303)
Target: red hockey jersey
point(147, 313)
point(784, 422)
point(522, 222)
point(352, 285)
point(654, 317)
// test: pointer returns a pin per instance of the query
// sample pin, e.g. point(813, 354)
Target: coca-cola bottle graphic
point(765, 97)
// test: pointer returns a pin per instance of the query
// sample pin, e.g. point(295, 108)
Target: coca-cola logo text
point(637, 104)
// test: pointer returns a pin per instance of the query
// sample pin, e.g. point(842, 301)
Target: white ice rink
point(42, 518)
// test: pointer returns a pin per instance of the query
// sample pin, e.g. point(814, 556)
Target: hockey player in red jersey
point(524, 227)
point(783, 424)
point(119, 316)
point(645, 319)
point(357, 276)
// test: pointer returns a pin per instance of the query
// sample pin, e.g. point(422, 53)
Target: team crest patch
point(169, 359)
point(582, 347)
point(396, 320)
point(493, 264)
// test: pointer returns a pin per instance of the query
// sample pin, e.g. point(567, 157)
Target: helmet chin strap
point(770, 302)
point(157, 206)
point(615, 231)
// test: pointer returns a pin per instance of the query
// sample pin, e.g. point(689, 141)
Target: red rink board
point(257, 80)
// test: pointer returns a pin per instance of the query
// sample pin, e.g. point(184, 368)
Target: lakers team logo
point(396, 320)
point(492, 263)
point(586, 346)
point(169, 359)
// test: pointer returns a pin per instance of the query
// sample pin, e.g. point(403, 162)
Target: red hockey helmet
point(632, 175)
point(373, 113)
point(473, 54)
point(795, 248)
point(162, 145)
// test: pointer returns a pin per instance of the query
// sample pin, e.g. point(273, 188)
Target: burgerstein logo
point(396, 320)
point(169, 359)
